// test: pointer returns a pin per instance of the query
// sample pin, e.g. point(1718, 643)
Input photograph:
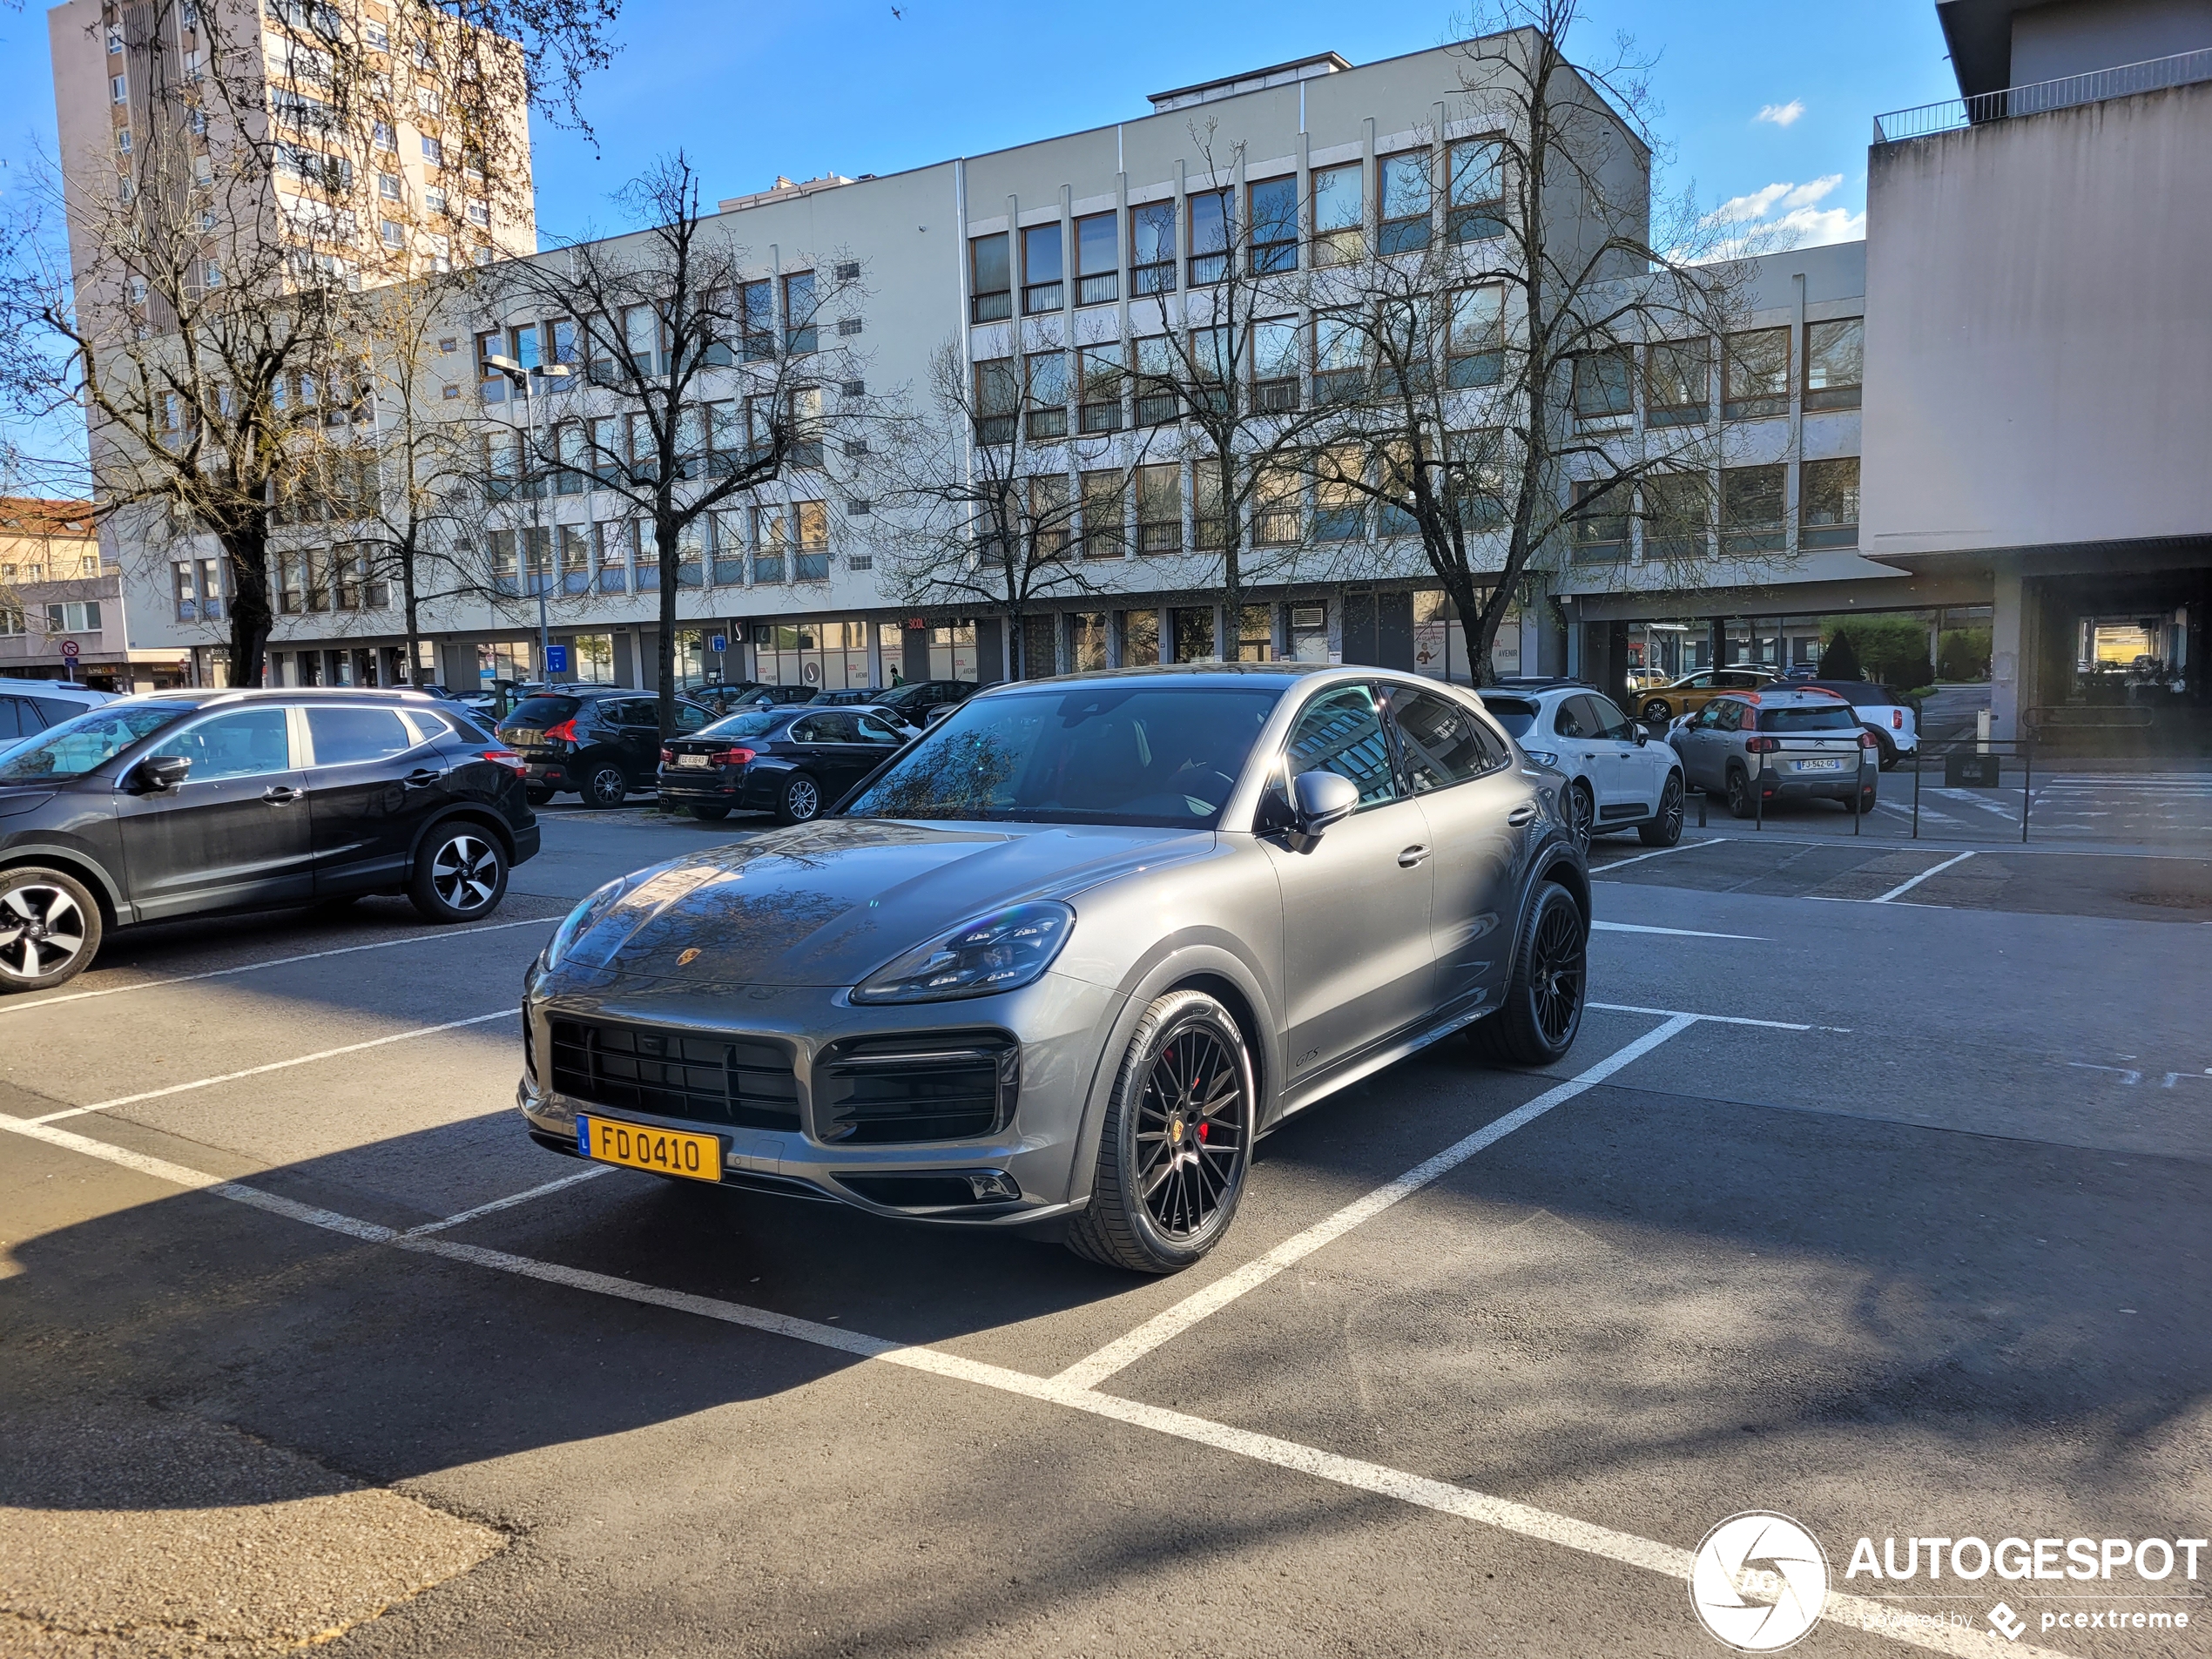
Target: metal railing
point(2183, 68)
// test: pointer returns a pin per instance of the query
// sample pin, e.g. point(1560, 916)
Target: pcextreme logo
point(1758, 1582)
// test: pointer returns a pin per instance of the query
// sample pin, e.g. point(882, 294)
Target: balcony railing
point(2183, 68)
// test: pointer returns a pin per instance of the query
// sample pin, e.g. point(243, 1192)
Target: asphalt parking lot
point(1875, 1193)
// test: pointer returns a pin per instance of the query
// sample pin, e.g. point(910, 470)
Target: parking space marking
point(1165, 1326)
point(1904, 888)
point(1717, 1019)
point(590, 1173)
point(275, 1065)
point(1356, 1474)
point(1678, 933)
point(275, 961)
point(1597, 871)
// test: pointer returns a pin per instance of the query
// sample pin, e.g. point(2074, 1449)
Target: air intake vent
point(885, 1091)
point(698, 1078)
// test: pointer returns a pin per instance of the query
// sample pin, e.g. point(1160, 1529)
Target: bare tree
point(187, 290)
point(702, 378)
point(1485, 397)
point(987, 499)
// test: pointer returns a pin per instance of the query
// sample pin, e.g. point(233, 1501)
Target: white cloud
point(1782, 215)
point(1781, 115)
point(1739, 209)
point(1805, 195)
point(1817, 226)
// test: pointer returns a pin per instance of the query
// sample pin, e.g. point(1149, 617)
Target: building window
point(1339, 504)
point(1047, 400)
point(433, 150)
point(480, 215)
point(1475, 345)
point(1101, 373)
point(395, 233)
point(1194, 641)
point(1158, 403)
point(614, 556)
point(388, 186)
point(991, 279)
point(74, 616)
point(1677, 382)
point(1834, 363)
point(757, 321)
point(1751, 507)
point(1339, 215)
point(1140, 639)
point(1758, 374)
point(1476, 191)
point(1098, 260)
point(1274, 220)
point(1211, 233)
point(1601, 519)
point(1677, 513)
point(118, 90)
point(998, 399)
point(1151, 249)
point(1042, 287)
point(1405, 203)
point(1050, 513)
point(382, 135)
point(1275, 366)
point(799, 312)
point(433, 200)
point(1104, 535)
point(1604, 391)
point(1340, 359)
point(810, 558)
point(1159, 508)
point(1828, 503)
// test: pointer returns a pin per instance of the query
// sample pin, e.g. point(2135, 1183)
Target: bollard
point(1701, 809)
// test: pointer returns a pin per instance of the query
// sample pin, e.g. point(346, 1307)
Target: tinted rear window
point(746, 725)
point(542, 712)
point(1512, 714)
point(1833, 717)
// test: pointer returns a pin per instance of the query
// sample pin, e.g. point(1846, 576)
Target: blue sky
point(845, 87)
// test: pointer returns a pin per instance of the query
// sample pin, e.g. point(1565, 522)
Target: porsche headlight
point(581, 919)
point(1003, 951)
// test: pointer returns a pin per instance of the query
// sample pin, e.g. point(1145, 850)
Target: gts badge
point(1306, 1059)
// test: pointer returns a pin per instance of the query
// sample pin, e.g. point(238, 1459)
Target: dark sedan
point(793, 762)
point(193, 803)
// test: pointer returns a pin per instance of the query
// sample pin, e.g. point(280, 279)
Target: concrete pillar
point(2010, 644)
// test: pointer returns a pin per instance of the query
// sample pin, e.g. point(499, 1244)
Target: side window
point(1700, 682)
point(1728, 715)
point(689, 718)
point(1612, 723)
point(40, 712)
point(245, 742)
point(10, 720)
point(1702, 720)
point(873, 730)
point(840, 728)
point(1446, 742)
point(1569, 721)
point(636, 711)
point(1342, 732)
point(807, 731)
point(347, 737)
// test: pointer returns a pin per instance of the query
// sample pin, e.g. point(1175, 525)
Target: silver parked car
point(1063, 959)
point(1785, 743)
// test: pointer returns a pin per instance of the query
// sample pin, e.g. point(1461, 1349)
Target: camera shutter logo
point(1758, 1582)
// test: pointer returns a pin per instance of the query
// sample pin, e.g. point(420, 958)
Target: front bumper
point(1059, 1024)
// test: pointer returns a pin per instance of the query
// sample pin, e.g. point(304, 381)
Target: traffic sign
point(556, 659)
point(69, 649)
point(717, 643)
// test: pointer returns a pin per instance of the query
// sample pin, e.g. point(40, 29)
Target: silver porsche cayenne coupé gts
point(1063, 959)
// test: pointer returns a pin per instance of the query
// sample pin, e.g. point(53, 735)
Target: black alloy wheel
point(1176, 1142)
point(1740, 804)
point(1666, 829)
point(460, 874)
point(606, 784)
point(50, 930)
point(1581, 814)
point(799, 801)
point(1541, 1013)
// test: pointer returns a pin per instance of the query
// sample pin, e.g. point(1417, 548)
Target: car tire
point(1581, 814)
point(708, 811)
point(1166, 1188)
point(1655, 710)
point(1665, 830)
point(50, 929)
point(539, 797)
point(460, 873)
point(1537, 1021)
point(1889, 753)
point(799, 801)
point(606, 784)
point(1740, 804)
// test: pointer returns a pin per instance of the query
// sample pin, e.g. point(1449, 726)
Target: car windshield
point(1100, 753)
point(1829, 716)
point(744, 725)
point(542, 710)
point(1512, 714)
point(76, 747)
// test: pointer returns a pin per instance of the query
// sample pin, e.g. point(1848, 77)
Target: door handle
point(423, 775)
point(1411, 856)
point(278, 794)
point(1521, 815)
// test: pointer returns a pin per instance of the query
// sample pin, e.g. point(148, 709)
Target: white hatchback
point(1617, 778)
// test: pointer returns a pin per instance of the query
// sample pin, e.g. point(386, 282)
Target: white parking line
point(589, 1173)
point(1356, 1474)
point(1597, 872)
point(1904, 888)
point(275, 961)
point(1715, 1018)
point(275, 1065)
point(1678, 933)
point(1166, 1325)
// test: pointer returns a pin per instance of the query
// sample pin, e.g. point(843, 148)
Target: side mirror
point(1321, 799)
point(1642, 737)
point(162, 771)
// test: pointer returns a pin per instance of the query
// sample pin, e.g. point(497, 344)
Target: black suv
point(597, 742)
point(185, 803)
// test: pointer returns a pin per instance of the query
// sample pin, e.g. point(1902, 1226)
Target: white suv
point(1617, 778)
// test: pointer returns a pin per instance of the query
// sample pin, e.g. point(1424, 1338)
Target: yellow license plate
point(665, 1151)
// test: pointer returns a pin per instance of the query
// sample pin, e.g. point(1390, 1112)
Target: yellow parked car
point(1692, 691)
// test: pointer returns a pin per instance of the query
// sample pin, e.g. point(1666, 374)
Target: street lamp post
point(521, 378)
